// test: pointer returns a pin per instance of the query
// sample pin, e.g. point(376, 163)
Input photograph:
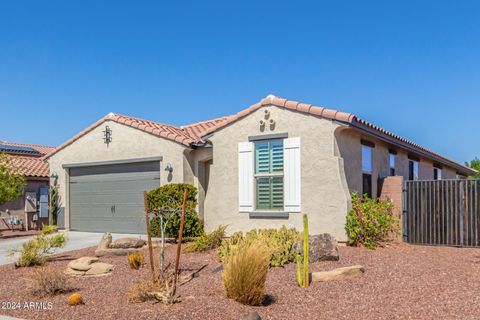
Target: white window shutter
point(245, 176)
point(292, 177)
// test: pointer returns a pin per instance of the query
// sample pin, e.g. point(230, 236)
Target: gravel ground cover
point(401, 282)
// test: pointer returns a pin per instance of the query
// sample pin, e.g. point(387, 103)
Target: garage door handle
point(112, 209)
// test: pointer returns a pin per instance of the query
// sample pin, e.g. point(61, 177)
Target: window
point(437, 173)
point(412, 170)
point(392, 164)
point(367, 170)
point(269, 175)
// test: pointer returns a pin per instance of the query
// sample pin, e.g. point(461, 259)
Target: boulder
point(128, 242)
point(99, 268)
point(322, 247)
point(74, 273)
point(82, 264)
point(105, 241)
point(338, 274)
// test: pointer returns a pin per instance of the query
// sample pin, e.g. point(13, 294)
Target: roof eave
point(398, 143)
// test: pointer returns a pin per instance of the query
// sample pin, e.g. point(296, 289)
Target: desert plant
point(207, 241)
point(245, 273)
point(279, 241)
point(35, 252)
point(75, 299)
point(371, 222)
point(136, 259)
point(303, 277)
point(146, 289)
point(11, 181)
point(193, 226)
point(53, 204)
point(49, 229)
point(47, 281)
point(167, 201)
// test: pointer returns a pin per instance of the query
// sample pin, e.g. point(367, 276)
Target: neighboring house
point(258, 168)
point(29, 211)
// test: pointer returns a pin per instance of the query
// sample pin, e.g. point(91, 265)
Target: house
point(29, 211)
point(258, 168)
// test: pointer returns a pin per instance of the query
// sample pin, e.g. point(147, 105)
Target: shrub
point(75, 299)
point(208, 241)
point(46, 281)
point(371, 222)
point(136, 259)
point(245, 273)
point(49, 229)
point(170, 197)
point(36, 251)
point(160, 290)
point(279, 242)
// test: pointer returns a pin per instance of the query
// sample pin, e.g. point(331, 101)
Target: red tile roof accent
point(195, 133)
point(30, 166)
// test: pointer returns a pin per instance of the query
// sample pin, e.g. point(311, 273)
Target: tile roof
point(197, 132)
point(30, 165)
point(41, 149)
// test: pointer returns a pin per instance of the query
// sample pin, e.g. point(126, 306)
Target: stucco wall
point(17, 207)
point(348, 146)
point(324, 194)
point(127, 143)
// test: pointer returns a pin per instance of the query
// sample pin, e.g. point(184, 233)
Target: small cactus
point(75, 299)
point(303, 277)
point(136, 259)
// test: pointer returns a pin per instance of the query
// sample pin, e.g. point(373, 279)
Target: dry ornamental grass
point(47, 281)
point(245, 274)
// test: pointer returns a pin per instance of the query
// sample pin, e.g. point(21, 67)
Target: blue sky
point(412, 67)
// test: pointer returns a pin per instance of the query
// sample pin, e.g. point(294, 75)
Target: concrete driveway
point(76, 240)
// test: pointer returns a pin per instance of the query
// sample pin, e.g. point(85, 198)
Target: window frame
point(367, 174)
point(413, 170)
point(260, 175)
point(392, 156)
point(437, 173)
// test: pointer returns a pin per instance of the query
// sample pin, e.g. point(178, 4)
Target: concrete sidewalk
point(76, 240)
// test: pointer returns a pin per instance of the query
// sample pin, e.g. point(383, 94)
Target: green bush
point(36, 251)
point(170, 197)
point(279, 242)
point(207, 241)
point(245, 273)
point(371, 222)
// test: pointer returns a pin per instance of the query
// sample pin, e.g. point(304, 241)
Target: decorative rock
point(99, 268)
point(82, 264)
point(218, 269)
point(74, 273)
point(105, 241)
point(104, 247)
point(322, 247)
point(128, 242)
point(339, 274)
point(252, 315)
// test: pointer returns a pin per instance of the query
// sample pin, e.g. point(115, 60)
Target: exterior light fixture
point(107, 135)
point(169, 167)
point(54, 176)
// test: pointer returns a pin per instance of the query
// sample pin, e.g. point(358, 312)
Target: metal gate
point(442, 212)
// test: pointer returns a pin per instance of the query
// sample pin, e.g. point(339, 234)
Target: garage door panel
point(110, 198)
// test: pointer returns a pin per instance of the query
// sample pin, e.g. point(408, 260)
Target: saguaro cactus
point(303, 276)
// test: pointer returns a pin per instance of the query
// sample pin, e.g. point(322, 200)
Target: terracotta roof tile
point(196, 133)
point(30, 166)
